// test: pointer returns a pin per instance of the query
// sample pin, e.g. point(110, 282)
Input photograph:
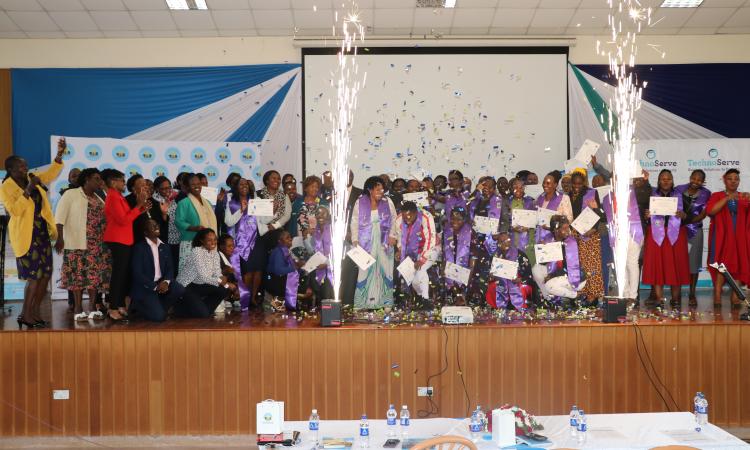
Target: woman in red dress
point(727, 237)
point(665, 259)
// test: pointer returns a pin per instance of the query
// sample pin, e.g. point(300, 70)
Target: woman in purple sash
point(457, 250)
point(283, 277)
point(589, 243)
point(694, 199)
point(455, 196)
point(553, 201)
point(372, 228)
point(318, 240)
point(565, 278)
point(665, 258)
point(245, 259)
point(518, 293)
point(522, 238)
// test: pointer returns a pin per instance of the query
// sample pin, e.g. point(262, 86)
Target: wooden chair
point(674, 447)
point(446, 443)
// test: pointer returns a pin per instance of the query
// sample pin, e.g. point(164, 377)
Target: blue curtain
point(257, 125)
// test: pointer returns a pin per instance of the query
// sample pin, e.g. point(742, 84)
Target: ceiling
point(151, 18)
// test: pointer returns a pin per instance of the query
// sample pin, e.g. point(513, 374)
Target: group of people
point(165, 250)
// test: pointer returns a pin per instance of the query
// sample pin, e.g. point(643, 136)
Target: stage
point(204, 377)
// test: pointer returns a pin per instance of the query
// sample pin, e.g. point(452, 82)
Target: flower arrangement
point(525, 422)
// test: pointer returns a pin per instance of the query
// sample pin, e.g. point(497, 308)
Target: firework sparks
point(347, 83)
point(626, 18)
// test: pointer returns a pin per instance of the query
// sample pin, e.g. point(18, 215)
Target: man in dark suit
point(349, 270)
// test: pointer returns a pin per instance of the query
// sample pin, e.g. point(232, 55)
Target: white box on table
point(503, 427)
point(270, 417)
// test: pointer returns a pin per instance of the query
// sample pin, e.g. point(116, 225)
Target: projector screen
point(422, 114)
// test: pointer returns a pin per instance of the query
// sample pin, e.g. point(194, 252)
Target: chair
point(674, 447)
point(445, 443)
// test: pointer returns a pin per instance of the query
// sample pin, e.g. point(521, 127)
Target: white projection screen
point(424, 111)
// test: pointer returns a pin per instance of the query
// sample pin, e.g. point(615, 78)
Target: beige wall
point(263, 50)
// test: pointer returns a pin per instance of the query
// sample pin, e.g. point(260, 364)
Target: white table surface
point(606, 431)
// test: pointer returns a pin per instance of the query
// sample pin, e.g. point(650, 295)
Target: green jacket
point(186, 216)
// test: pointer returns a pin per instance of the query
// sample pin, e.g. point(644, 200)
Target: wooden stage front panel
point(208, 381)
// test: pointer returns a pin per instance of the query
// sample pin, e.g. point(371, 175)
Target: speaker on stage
point(330, 313)
point(615, 309)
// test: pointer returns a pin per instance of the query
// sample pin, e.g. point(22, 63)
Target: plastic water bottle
point(475, 427)
point(405, 422)
point(314, 426)
point(482, 418)
point(700, 410)
point(581, 434)
point(364, 432)
point(391, 421)
point(574, 421)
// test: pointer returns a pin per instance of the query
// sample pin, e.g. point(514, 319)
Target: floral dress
point(90, 268)
point(37, 262)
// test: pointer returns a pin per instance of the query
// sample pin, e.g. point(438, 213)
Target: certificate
point(314, 261)
point(486, 225)
point(587, 150)
point(548, 252)
point(543, 215)
point(662, 206)
point(573, 164)
point(585, 221)
point(210, 194)
point(603, 191)
point(504, 268)
point(533, 190)
point(457, 273)
point(260, 207)
point(524, 218)
point(361, 258)
point(407, 270)
point(420, 198)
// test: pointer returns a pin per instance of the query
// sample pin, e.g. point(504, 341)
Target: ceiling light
point(681, 3)
point(187, 4)
point(450, 3)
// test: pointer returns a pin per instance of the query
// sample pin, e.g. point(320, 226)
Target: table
point(606, 431)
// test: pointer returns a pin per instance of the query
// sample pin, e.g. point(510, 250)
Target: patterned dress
point(90, 268)
point(37, 262)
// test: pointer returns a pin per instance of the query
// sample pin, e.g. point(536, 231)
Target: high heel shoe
point(21, 322)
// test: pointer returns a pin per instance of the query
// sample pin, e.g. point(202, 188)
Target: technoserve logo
point(652, 161)
point(713, 160)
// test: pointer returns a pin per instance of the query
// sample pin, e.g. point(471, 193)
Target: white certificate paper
point(210, 194)
point(407, 270)
point(524, 218)
point(533, 190)
point(587, 150)
point(663, 206)
point(457, 273)
point(603, 191)
point(361, 258)
point(260, 207)
point(420, 198)
point(548, 252)
point(486, 225)
point(587, 219)
point(544, 215)
point(504, 268)
point(314, 261)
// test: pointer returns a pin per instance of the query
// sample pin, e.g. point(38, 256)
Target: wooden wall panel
point(208, 382)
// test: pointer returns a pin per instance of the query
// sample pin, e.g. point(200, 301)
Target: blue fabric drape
point(256, 126)
point(116, 102)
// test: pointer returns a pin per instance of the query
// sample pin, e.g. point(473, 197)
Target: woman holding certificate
point(694, 198)
point(583, 200)
point(457, 251)
point(727, 236)
point(665, 258)
point(373, 228)
point(522, 237)
point(247, 259)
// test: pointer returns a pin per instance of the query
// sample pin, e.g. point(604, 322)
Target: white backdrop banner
point(683, 156)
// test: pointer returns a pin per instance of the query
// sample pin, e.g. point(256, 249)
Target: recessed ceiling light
point(681, 3)
point(187, 4)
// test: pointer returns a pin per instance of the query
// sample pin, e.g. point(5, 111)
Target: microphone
point(42, 185)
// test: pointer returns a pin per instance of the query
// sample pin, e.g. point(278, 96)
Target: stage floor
point(705, 313)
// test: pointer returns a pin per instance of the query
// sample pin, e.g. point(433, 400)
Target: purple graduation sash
point(572, 261)
point(699, 204)
point(411, 238)
point(244, 232)
point(292, 281)
point(493, 211)
point(673, 223)
point(506, 290)
point(460, 255)
point(453, 200)
point(545, 236)
point(365, 225)
point(322, 239)
point(522, 237)
point(636, 230)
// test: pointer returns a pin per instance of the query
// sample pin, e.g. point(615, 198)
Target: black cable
point(434, 409)
point(461, 374)
point(651, 363)
point(645, 369)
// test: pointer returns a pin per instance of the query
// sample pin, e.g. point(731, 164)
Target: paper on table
point(687, 436)
point(524, 218)
point(361, 258)
point(603, 191)
point(573, 164)
point(486, 225)
point(210, 194)
point(260, 207)
point(603, 433)
point(314, 261)
point(407, 270)
point(544, 215)
point(533, 190)
point(587, 219)
point(298, 241)
point(504, 268)
point(457, 273)
point(587, 150)
point(420, 198)
point(548, 252)
point(662, 206)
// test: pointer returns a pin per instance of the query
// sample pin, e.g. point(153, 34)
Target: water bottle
point(314, 426)
point(364, 432)
point(581, 434)
point(482, 418)
point(475, 427)
point(574, 421)
point(405, 422)
point(700, 410)
point(391, 422)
